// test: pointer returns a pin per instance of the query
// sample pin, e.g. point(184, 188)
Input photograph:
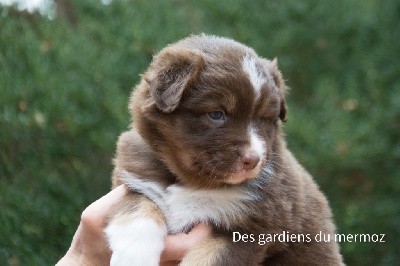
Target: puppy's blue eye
point(216, 115)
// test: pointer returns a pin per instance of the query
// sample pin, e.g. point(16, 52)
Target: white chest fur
point(183, 207)
point(220, 207)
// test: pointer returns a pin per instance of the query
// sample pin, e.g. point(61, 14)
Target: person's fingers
point(176, 246)
point(94, 215)
point(199, 232)
point(89, 238)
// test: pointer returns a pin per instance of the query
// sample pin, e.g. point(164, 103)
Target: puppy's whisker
point(212, 171)
point(204, 165)
point(226, 173)
point(216, 148)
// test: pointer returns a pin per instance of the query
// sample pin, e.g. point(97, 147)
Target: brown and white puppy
point(206, 145)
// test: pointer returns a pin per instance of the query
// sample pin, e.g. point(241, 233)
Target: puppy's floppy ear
point(280, 84)
point(172, 71)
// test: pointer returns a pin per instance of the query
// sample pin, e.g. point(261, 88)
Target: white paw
point(138, 243)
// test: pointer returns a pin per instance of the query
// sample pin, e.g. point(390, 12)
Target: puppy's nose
point(250, 160)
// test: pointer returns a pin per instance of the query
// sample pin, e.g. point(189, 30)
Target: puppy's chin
point(242, 175)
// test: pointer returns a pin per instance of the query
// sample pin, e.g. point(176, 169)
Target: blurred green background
point(65, 78)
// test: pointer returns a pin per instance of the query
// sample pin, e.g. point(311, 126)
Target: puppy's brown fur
point(173, 141)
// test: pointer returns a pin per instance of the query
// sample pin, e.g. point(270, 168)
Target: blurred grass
point(65, 82)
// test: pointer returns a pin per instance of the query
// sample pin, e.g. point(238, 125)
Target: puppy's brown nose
point(250, 160)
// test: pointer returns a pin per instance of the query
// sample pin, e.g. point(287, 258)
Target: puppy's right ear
point(280, 84)
point(172, 71)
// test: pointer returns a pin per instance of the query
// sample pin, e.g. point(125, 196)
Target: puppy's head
point(210, 108)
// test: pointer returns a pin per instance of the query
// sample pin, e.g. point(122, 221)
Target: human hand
point(89, 245)
point(176, 246)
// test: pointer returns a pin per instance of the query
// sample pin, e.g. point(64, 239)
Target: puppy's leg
point(136, 232)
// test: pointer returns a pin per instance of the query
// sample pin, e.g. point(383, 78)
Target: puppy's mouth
point(241, 174)
point(234, 173)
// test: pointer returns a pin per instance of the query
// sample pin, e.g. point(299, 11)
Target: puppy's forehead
point(236, 80)
point(252, 78)
point(233, 76)
point(256, 73)
point(225, 55)
point(246, 67)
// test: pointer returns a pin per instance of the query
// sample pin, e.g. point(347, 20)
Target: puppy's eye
point(217, 115)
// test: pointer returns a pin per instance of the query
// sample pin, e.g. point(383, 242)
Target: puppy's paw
point(137, 243)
